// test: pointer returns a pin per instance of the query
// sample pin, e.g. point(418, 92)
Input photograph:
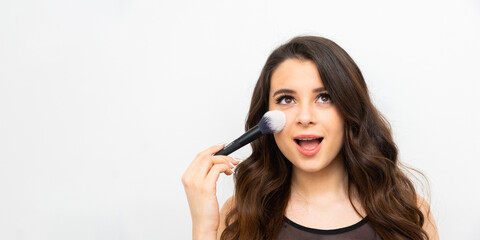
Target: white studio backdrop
point(103, 103)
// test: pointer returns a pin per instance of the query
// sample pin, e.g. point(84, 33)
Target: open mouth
point(308, 143)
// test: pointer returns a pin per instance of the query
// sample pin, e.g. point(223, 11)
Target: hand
point(200, 181)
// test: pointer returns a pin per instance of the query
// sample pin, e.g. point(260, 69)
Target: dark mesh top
point(361, 231)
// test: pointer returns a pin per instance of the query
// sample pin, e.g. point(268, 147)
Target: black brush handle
point(243, 140)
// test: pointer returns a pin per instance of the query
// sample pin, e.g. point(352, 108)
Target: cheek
point(335, 120)
point(280, 138)
point(284, 146)
point(334, 125)
point(337, 126)
point(337, 130)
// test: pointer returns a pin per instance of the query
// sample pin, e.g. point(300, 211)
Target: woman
point(331, 173)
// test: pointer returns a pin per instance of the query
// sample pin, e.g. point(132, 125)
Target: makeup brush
point(271, 122)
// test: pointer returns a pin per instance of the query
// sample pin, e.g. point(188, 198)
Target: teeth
point(306, 138)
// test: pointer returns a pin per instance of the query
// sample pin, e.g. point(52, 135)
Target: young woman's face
point(313, 134)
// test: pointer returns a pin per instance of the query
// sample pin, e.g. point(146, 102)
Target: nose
point(306, 115)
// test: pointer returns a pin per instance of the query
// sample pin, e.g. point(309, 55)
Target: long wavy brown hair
point(262, 181)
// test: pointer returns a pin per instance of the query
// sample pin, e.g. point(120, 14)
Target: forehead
point(295, 74)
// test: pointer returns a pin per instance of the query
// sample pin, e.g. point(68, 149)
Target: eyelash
point(279, 99)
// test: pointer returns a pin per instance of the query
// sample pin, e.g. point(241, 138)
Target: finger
point(200, 157)
point(212, 150)
point(210, 161)
point(222, 159)
point(233, 160)
point(214, 173)
point(210, 164)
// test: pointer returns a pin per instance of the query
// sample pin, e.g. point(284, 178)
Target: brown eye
point(285, 100)
point(324, 98)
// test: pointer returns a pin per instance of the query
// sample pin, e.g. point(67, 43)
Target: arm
point(223, 215)
point(199, 182)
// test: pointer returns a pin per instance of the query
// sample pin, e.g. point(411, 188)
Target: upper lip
point(307, 136)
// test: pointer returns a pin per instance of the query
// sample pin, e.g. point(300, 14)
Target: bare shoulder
point(226, 208)
point(429, 225)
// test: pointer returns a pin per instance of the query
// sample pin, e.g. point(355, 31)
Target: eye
point(324, 98)
point(285, 99)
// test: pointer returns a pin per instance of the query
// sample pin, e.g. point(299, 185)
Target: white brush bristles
point(275, 120)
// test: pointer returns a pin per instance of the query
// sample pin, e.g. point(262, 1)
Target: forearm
point(204, 235)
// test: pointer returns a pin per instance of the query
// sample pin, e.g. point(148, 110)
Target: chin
point(311, 165)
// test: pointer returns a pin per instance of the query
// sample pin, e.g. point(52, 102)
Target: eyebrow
point(285, 90)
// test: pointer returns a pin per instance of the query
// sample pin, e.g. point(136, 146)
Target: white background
point(104, 103)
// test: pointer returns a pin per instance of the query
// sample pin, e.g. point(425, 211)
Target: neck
point(329, 183)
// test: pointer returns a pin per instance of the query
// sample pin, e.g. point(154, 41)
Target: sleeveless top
point(361, 231)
